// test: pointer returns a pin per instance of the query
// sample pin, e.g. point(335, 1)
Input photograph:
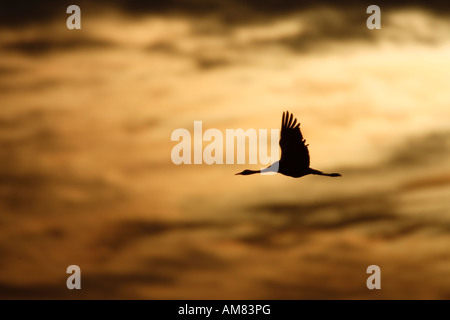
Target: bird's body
point(294, 161)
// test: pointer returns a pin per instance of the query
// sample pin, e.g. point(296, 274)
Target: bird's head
point(335, 175)
point(245, 173)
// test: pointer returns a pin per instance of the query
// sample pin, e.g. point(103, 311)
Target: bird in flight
point(294, 161)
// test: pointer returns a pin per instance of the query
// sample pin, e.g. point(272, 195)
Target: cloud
point(43, 46)
point(21, 13)
point(422, 150)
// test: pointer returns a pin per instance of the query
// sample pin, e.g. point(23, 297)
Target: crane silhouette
point(294, 161)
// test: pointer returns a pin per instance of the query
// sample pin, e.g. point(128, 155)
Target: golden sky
point(86, 176)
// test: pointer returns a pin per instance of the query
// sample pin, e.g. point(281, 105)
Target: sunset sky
point(87, 179)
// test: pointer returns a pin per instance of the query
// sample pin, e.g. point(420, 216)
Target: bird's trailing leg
point(320, 173)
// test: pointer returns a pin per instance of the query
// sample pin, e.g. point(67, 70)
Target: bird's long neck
point(272, 169)
point(248, 172)
point(320, 173)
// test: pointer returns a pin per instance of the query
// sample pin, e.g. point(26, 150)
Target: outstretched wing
point(294, 150)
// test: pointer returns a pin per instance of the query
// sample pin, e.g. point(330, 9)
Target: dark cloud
point(205, 63)
point(7, 71)
point(422, 150)
point(9, 87)
point(94, 286)
point(38, 291)
point(43, 46)
point(232, 11)
point(329, 215)
point(37, 193)
point(128, 232)
point(190, 259)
